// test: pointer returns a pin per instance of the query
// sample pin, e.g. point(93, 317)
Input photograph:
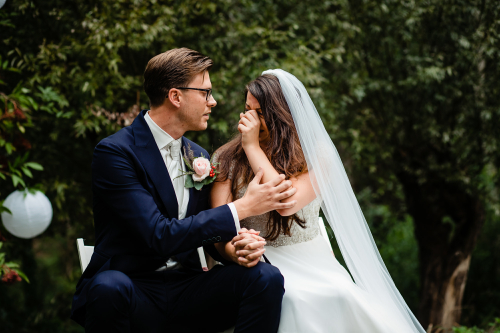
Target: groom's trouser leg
point(117, 303)
point(225, 296)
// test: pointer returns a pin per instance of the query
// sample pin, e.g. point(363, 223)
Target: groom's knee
point(267, 278)
point(110, 290)
point(270, 274)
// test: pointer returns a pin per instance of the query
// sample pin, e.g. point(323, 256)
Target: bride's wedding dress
point(320, 295)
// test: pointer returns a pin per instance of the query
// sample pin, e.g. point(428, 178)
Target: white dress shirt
point(163, 141)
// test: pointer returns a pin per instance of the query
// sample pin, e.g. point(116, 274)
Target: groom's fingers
point(249, 248)
point(285, 205)
point(253, 263)
point(286, 194)
point(248, 263)
point(256, 180)
point(251, 231)
point(277, 180)
point(255, 255)
point(244, 239)
point(246, 253)
point(244, 244)
point(285, 185)
point(254, 245)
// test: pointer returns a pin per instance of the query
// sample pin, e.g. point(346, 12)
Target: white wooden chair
point(85, 252)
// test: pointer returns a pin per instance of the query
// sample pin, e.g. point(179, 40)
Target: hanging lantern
point(31, 213)
point(2, 2)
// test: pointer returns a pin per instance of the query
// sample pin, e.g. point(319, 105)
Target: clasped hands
point(248, 247)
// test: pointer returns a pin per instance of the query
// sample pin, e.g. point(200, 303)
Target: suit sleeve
point(116, 184)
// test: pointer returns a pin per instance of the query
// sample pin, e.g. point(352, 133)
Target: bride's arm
point(249, 126)
point(249, 246)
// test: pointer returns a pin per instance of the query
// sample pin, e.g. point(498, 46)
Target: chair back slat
point(84, 253)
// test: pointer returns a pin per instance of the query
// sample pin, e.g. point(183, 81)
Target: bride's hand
point(249, 127)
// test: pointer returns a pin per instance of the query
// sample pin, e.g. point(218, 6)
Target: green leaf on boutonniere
point(208, 180)
point(189, 182)
point(198, 185)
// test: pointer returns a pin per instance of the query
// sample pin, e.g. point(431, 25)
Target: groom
point(145, 274)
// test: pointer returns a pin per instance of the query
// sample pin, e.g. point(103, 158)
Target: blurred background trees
point(407, 89)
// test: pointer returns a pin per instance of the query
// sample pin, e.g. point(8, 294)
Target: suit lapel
point(193, 194)
point(148, 153)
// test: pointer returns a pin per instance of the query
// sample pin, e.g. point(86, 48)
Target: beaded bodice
point(309, 214)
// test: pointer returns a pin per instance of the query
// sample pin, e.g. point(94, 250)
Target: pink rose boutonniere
point(202, 171)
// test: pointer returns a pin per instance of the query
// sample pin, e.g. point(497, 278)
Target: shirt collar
point(161, 137)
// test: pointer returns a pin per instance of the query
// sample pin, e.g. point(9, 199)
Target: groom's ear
point(174, 97)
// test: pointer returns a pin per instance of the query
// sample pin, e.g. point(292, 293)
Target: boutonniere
point(202, 171)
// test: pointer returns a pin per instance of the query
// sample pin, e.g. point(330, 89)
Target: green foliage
point(15, 117)
point(493, 328)
point(10, 270)
point(481, 302)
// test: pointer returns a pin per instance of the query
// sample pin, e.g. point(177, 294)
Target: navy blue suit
point(137, 230)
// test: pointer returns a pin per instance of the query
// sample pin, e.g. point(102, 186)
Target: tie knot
point(175, 149)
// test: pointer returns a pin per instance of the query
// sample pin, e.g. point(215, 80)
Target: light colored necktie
point(174, 165)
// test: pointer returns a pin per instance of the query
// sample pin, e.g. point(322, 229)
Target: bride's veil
point(340, 205)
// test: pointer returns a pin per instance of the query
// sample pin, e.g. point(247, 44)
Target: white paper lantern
point(31, 213)
point(2, 2)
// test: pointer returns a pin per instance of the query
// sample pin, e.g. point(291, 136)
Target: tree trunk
point(447, 223)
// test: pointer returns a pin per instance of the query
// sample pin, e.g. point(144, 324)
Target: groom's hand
point(262, 198)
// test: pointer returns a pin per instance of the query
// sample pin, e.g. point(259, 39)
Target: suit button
point(218, 238)
point(204, 242)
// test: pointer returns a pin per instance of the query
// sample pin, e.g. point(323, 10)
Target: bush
point(494, 328)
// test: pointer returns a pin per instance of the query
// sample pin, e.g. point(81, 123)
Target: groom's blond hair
point(172, 69)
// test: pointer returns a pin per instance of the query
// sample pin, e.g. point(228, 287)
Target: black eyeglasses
point(208, 91)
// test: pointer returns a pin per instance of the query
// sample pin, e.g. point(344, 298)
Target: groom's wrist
point(242, 209)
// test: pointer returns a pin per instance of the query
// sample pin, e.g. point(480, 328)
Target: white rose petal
point(198, 178)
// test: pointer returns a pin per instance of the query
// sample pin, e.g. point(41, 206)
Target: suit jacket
point(135, 212)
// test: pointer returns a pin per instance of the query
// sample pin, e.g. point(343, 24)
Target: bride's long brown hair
point(283, 149)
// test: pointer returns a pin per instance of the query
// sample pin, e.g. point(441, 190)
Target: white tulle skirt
point(320, 295)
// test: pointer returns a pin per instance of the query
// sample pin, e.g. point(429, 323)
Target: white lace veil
point(340, 205)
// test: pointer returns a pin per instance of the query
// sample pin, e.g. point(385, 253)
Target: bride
point(282, 133)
